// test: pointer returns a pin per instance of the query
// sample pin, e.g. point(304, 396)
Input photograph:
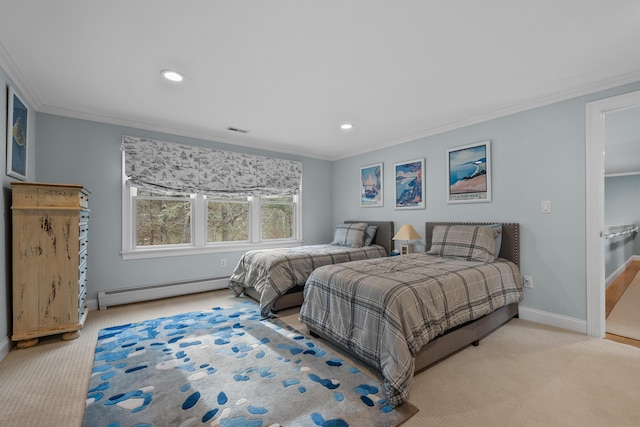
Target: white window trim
point(200, 247)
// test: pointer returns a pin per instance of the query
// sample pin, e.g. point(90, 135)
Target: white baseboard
point(5, 346)
point(144, 293)
point(163, 290)
point(613, 276)
point(552, 319)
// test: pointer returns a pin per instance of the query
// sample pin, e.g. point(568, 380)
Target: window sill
point(192, 250)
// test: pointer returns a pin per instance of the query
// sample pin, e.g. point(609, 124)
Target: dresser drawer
point(82, 306)
point(40, 195)
point(82, 245)
point(84, 199)
point(84, 230)
point(82, 279)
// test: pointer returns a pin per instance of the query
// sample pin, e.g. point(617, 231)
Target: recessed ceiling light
point(346, 126)
point(172, 75)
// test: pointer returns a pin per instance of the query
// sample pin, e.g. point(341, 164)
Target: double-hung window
point(182, 219)
point(161, 219)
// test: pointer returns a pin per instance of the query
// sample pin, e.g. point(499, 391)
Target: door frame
point(595, 147)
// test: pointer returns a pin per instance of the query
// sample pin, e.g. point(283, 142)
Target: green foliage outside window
point(162, 220)
point(276, 218)
point(166, 219)
point(227, 220)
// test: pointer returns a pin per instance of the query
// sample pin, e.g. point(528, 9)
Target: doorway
point(595, 145)
point(622, 216)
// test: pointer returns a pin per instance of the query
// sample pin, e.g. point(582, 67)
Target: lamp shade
point(407, 232)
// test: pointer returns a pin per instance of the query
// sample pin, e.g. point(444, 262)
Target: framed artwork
point(469, 173)
point(17, 120)
point(371, 191)
point(410, 184)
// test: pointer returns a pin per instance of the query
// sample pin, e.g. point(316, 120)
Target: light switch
point(545, 206)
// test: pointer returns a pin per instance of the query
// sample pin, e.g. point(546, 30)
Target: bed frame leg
point(476, 343)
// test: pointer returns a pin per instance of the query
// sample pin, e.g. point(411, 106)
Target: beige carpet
point(624, 319)
point(524, 374)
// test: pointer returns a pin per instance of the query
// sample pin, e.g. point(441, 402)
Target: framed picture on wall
point(469, 173)
point(371, 186)
point(17, 120)
point(410, 184)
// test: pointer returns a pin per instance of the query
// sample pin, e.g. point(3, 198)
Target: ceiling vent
point(232, 129)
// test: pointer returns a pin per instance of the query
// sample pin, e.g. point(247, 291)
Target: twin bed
point(401, 314)
point(276, 277)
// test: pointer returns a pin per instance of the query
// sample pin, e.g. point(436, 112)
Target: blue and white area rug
point(228, 367)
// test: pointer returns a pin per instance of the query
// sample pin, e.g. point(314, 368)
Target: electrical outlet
point(223, 262)
point(527, 281)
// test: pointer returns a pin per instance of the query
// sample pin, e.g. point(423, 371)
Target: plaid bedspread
point(385, 310)
point(272, 272)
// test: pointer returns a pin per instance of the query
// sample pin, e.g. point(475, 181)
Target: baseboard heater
point(163, 290)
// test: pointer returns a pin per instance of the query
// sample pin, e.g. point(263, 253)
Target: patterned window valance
point(167, 166)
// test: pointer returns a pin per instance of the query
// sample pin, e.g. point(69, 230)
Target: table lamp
point(406, 232)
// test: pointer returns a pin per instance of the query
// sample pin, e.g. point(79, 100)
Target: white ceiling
point(291, 71)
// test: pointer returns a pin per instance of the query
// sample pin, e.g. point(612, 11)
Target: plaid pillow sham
point(370, 234)
point(469, 242)
point(351, 235)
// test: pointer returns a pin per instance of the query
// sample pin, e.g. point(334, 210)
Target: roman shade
point(186, 169)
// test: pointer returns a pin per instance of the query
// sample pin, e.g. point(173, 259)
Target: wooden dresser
point(50, 225)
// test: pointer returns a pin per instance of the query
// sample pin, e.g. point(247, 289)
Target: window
point(162, 219)
point(165, 224)
point(276, 217)
point(182, 199)
point(228, 220)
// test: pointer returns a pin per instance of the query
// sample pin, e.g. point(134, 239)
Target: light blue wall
point(88, 153)
point(5, 221)
point(622, 206)
point(536, 155)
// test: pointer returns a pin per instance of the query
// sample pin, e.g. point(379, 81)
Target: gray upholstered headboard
point(383, 235)
point(510, 248)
